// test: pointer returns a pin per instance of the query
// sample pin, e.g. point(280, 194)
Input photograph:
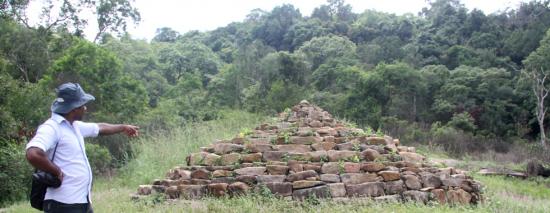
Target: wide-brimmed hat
point(70, 96)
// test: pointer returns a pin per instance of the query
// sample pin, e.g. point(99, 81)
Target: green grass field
point(157, 155)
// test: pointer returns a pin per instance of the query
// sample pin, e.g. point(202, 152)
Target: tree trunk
point(540, 92)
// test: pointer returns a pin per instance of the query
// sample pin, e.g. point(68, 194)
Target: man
point(65, 133)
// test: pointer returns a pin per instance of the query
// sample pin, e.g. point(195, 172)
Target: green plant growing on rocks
point(245, 132)
point(369, 131)
point(355, 159)
point(379, 133)
point(285, 157)
point(356, 147)
point(263, 191)
point(218, 161)
point(323, 158)
point(395, 157)
point(236, 165)
point(257, 163)
point(341, 168)
point(312, 200)
point(273, 140)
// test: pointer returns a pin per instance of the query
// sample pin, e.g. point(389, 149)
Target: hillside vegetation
point(447, 77)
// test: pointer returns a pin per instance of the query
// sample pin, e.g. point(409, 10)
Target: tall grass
point(158, 154)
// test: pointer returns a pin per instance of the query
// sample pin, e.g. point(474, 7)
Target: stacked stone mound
point(309, 153)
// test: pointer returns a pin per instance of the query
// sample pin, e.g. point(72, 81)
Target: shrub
point(99, 157)
point(15, 173)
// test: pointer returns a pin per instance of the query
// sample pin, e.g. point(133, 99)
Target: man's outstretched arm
point(109, 129)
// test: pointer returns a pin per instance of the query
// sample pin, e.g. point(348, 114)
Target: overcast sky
point(204, 15)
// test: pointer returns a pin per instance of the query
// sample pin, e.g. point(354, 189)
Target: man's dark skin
point(39, 159)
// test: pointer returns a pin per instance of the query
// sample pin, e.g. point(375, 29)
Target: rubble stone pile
point(309, 153)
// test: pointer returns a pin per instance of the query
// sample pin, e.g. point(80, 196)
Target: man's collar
point(58, 118)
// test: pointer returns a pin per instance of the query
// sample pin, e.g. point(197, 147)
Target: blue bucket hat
point(70, 96)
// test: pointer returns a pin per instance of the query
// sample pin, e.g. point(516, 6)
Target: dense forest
point(448, 76)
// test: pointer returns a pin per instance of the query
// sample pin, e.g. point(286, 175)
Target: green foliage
point(99, 157)
point(462, 121)
point(15, 173)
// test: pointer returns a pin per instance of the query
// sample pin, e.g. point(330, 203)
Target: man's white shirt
point(70, 157)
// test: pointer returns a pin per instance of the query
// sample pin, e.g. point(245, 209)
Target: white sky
point(204, 15)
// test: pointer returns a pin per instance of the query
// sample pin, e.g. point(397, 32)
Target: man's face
point(79, 112)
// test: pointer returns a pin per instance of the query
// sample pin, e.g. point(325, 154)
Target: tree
point(537, 69)
point(166, 34)
point(112, 15)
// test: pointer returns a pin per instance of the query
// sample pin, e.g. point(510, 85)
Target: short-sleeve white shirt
point(70, 157)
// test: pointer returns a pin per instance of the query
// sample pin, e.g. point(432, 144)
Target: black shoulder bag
point(40, 182)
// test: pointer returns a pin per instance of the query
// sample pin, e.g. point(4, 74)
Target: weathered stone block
point(318, 156)
point(172, 192)
point(417, 196)
point(238, 188)
point(357, 178)
point(196, 158)
point(200, 174)
point(305, 140)
point(270, 178)
point(430, 180)
point(372, 167)
point(411, 157)
point(330, 178)
point(192, 191)
point(365, 189)
point(394, 187)
point(144, 189)
point(277, 169)
point(295, 166)
point(389, 175)
point(225, 148)
point(313, 166)
point(218, 189)
point(300, 184)
point(228, 180)
point(452, 181)
point(330, 168)
point(370, 154)
point(458, 196)
point(251, 171)
point(294, 148)
point(376, 140)
point(337, 189)
point(327, 131)
point(251, 158)
point(212, 159)
point(301, 175)
point(349, 146)
point(248, 179)
point(281, 189)
point(274, 155)
point(200, 182)
point(323, 146)
point(319, 192)
point(222, 173)
point(329, 139)
point(231, 159)
point(412, 182)
point(352, 167)
point(335, 156)
point(439, 195)
point(258, 147)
